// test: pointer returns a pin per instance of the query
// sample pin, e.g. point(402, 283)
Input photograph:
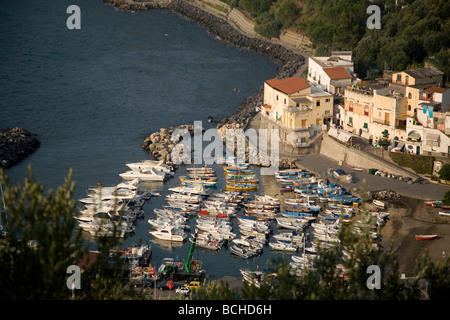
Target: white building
point(332, 73)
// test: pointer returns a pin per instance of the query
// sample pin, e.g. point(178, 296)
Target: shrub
point(420, 164)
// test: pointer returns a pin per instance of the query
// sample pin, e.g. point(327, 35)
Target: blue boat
point(293, 214)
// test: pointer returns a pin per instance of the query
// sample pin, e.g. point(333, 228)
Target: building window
point(350, 106)
point(409, 107)
point(303, 123)
point(366, 111)
point(318, 103)
point(327, 100)
point(399, 78)
point(409, 95)
point(277, 97)
point(284, 100)
point(406, 79)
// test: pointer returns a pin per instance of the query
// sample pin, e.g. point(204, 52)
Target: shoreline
point(409, 215)
point(289, 62)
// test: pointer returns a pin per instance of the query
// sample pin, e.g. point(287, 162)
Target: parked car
point(145, 283)
point(167, 285)
point(193, 285)
point(184, 290)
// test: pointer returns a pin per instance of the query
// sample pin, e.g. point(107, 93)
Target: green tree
point(268, 26)
point(446, 199)
point(42, 241)
point(444, 173)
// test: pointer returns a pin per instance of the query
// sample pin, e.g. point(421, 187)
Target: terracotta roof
point(289, 85)
point(435, 89)
point(336, 73)
point(424, 72)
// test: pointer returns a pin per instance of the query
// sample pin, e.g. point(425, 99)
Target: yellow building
point(296, 108)
point(419, 76)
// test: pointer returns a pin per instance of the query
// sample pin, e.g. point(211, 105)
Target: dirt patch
point(409, 217)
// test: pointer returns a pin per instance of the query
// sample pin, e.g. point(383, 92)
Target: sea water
point(92, 95)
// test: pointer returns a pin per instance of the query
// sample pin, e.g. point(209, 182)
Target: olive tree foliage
point(42, 241)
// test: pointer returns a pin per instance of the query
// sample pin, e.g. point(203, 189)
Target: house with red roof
point(332, 73)
point(296, 108)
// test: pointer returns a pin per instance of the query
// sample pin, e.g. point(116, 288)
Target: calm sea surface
point(93, 95)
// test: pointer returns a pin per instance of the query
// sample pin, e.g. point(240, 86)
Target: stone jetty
point(160, 144)
point(15, 145)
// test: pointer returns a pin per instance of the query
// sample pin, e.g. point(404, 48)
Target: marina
point(219, 225)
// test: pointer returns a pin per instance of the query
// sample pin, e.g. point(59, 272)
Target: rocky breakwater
point(15, 145)
point(130, 5)
point(289, 62)
point(160, 144)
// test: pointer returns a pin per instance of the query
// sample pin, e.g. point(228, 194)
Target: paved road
point(320, 164)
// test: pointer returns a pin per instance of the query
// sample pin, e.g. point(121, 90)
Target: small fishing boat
point(282, 246)
point(242, 186)
point(253, 277)
point(435, 204)
point(444, 213)
point(378, 203)
point(426, 236)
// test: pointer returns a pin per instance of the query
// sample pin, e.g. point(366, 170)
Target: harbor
point(225, 220)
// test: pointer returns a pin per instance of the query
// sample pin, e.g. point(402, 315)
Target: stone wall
point(358, 158)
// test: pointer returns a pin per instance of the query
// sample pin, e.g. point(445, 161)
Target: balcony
point(303, 109)
point(382, 121)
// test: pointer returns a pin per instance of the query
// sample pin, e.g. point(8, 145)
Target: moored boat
point(426, 236)
point(444, 213)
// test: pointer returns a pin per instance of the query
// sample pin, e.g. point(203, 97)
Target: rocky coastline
point(15, 145)
point(158, 144)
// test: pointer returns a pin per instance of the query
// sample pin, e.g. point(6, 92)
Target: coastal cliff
point(15, 145)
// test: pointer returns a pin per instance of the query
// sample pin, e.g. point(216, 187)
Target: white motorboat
point(169, 233)
point(194, 199)
point(292, 223)
point(148, 174)
point(378, 203)
point(283, 246)
point(226, 235)
point(144, 164)
point(196, 190)
point(160, 222)
point(289, 237)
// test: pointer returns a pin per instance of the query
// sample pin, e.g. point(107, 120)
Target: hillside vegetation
point(412, 32)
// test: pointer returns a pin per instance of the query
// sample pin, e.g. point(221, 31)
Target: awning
point(344, 136)
point(414, 135)
point(432, 139)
